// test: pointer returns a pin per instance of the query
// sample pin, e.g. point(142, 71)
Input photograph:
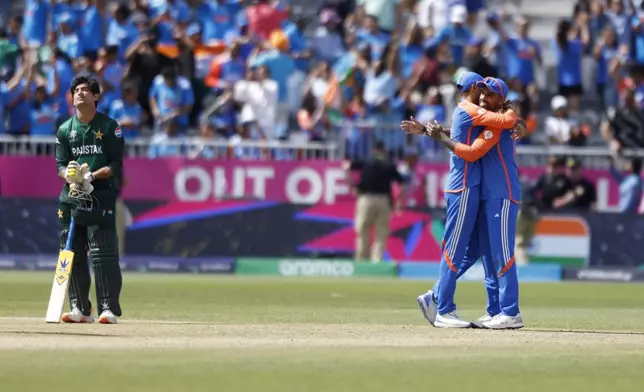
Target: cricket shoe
point(483, 319)
point(107, 317)
point(450, 320)
point(427, 304)
point(502, 321)
point(76, 317)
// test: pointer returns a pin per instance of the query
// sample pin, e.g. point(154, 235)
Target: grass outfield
point(209, 333)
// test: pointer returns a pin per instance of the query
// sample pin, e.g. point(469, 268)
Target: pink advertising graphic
point(310, 182)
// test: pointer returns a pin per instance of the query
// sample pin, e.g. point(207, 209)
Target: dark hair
point(379, 145)
point(128, 84)
point(169, 72)
point(59, 54)
point(91, 82)
point(122, 11)
point(38, 104)
point(563, 28)
point(309, 102)
point(636, 164)
point(111, 50)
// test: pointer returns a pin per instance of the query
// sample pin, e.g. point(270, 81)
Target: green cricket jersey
point(99, 143)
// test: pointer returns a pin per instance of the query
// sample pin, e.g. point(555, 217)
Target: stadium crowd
point(255, 70)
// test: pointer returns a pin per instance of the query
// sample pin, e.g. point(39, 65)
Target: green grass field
point(209, 333)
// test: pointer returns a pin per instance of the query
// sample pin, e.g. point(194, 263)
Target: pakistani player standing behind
point(89, 155)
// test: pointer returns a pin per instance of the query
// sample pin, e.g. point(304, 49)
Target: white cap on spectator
point(458, 14)
point(558, 102)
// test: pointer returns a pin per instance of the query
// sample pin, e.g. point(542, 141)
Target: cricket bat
point(61, 279)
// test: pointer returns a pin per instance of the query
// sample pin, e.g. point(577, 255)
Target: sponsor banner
point(604, 274)
point(140, 264)
point(310, 182)
point(313, 268)
point(247, 228)
point(527, 273)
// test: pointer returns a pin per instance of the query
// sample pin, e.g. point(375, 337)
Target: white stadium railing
point(195, 147)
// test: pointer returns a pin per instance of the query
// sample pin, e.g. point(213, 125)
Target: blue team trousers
point(460, 222)
point(493, 240)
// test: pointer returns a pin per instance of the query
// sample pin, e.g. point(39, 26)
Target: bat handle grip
point(70, 235)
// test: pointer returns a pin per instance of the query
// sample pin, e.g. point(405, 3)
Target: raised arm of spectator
point(132, 49)
point(30, 75)
point(584, 31)
point(496, 25)
point(617, 176)
point(154, 108)
point(14, 82)
point(219, 102)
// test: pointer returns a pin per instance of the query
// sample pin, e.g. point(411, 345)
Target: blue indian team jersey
point(499, 172)
point(463, 174)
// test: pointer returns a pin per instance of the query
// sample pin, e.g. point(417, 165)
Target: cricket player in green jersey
point(89, 157)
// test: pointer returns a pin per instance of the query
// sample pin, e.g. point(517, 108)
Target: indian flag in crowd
point(562, 240)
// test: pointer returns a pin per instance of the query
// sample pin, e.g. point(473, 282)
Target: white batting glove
point(88, 178)
point(74, 173)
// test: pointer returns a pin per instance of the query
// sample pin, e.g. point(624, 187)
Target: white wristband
point(89, 177)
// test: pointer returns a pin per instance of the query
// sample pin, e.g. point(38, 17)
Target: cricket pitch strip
point(21, 333)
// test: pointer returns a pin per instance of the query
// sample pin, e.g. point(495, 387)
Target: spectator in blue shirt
point(59, 74)
point(372, 35)
point(620, 18)
point(523, 53)
point(34, 29)
point(110, 75)
point(630, 185)
point(280, 64)
point(93, 23)
point(121, 31)
point(411, 49)
point(597, 21)
point(610, 59)
point(65, 7)
point(68, 40)
point(457, 33)
point(127, 111)
point(568, 52)
point(16, 103)
point(43, 112)
point(171, 100)
point(298, 44)
point(14, 28)
point(216, 19)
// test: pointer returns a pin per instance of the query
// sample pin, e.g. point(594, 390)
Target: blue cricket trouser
point(461, 215)
point(478, 247)
point(501, 216)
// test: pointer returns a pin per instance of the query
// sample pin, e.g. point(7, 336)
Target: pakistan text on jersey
point(87, 149)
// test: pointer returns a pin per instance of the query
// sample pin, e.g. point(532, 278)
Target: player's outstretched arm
point(486, 118)
point(483, 143)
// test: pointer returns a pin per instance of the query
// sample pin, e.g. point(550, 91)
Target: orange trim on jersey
point(480, 147)
point(507, 267)
point(486, 118)
point(507, 176)
point(447, 259)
